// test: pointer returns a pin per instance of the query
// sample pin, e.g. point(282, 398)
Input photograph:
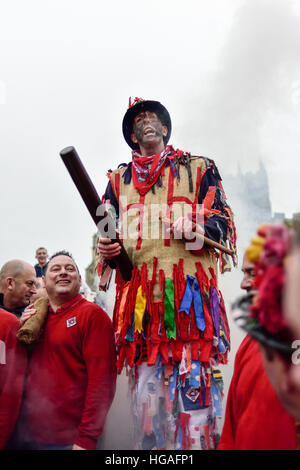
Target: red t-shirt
point(255, 419)
point(72, 376)
point(13, 362)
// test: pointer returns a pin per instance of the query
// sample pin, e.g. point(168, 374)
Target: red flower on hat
point(135, 101)
point(270, 279)
point(276, 246)
point(267, 308)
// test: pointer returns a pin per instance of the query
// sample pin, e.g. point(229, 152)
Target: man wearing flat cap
point(170, 320)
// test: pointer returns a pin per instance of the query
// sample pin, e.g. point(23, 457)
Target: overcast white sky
point(227, 70)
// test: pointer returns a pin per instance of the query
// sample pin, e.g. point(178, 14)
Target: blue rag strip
point(159, 368)
point(179, 440)
point(221, 346)
point(172, 384)
point(193, 295)
point(130, 332)
point(195, 374)
point(198, 305)
point(216, 399)
point(188, 296)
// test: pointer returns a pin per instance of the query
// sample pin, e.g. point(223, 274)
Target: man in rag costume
point(170, 320)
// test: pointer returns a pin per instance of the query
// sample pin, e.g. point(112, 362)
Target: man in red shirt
point(17, 285)
point(13, 362)
point(254, 419)
point(72, 372)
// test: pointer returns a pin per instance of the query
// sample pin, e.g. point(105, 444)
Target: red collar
point(67, 305)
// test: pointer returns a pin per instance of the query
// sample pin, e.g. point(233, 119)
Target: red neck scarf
point(146, 170)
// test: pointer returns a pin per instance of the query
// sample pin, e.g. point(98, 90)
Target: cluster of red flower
point(270, 277)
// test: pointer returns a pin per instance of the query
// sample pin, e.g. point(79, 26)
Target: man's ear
point(133, 138)
point(10, 283)
point(165, 131)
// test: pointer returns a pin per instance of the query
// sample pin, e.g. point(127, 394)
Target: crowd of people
point(54, 394)
point(169, 325)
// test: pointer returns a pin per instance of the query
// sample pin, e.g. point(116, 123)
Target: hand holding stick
point(32, 328)
point(205, 239)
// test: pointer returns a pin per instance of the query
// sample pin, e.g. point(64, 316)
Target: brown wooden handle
point(92, 201)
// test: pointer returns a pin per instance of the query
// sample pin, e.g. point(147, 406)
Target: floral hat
point(260, 312)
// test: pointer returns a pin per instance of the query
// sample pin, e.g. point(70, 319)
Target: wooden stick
point(93, 203)
point(206, 240)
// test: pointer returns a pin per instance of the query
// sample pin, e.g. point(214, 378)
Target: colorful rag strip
point(173, 384)
point(169, 318)
point(216, 399)
point(139, 310)
point(195, 374)
point(193, 295)
point(215, 311)
point(170, 401)
point(187, 319)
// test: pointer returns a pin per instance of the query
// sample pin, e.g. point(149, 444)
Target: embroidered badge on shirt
point(71, 322)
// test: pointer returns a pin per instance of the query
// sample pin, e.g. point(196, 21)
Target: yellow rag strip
point(139, 310)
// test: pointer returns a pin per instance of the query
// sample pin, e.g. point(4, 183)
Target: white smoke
point(258, 73)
